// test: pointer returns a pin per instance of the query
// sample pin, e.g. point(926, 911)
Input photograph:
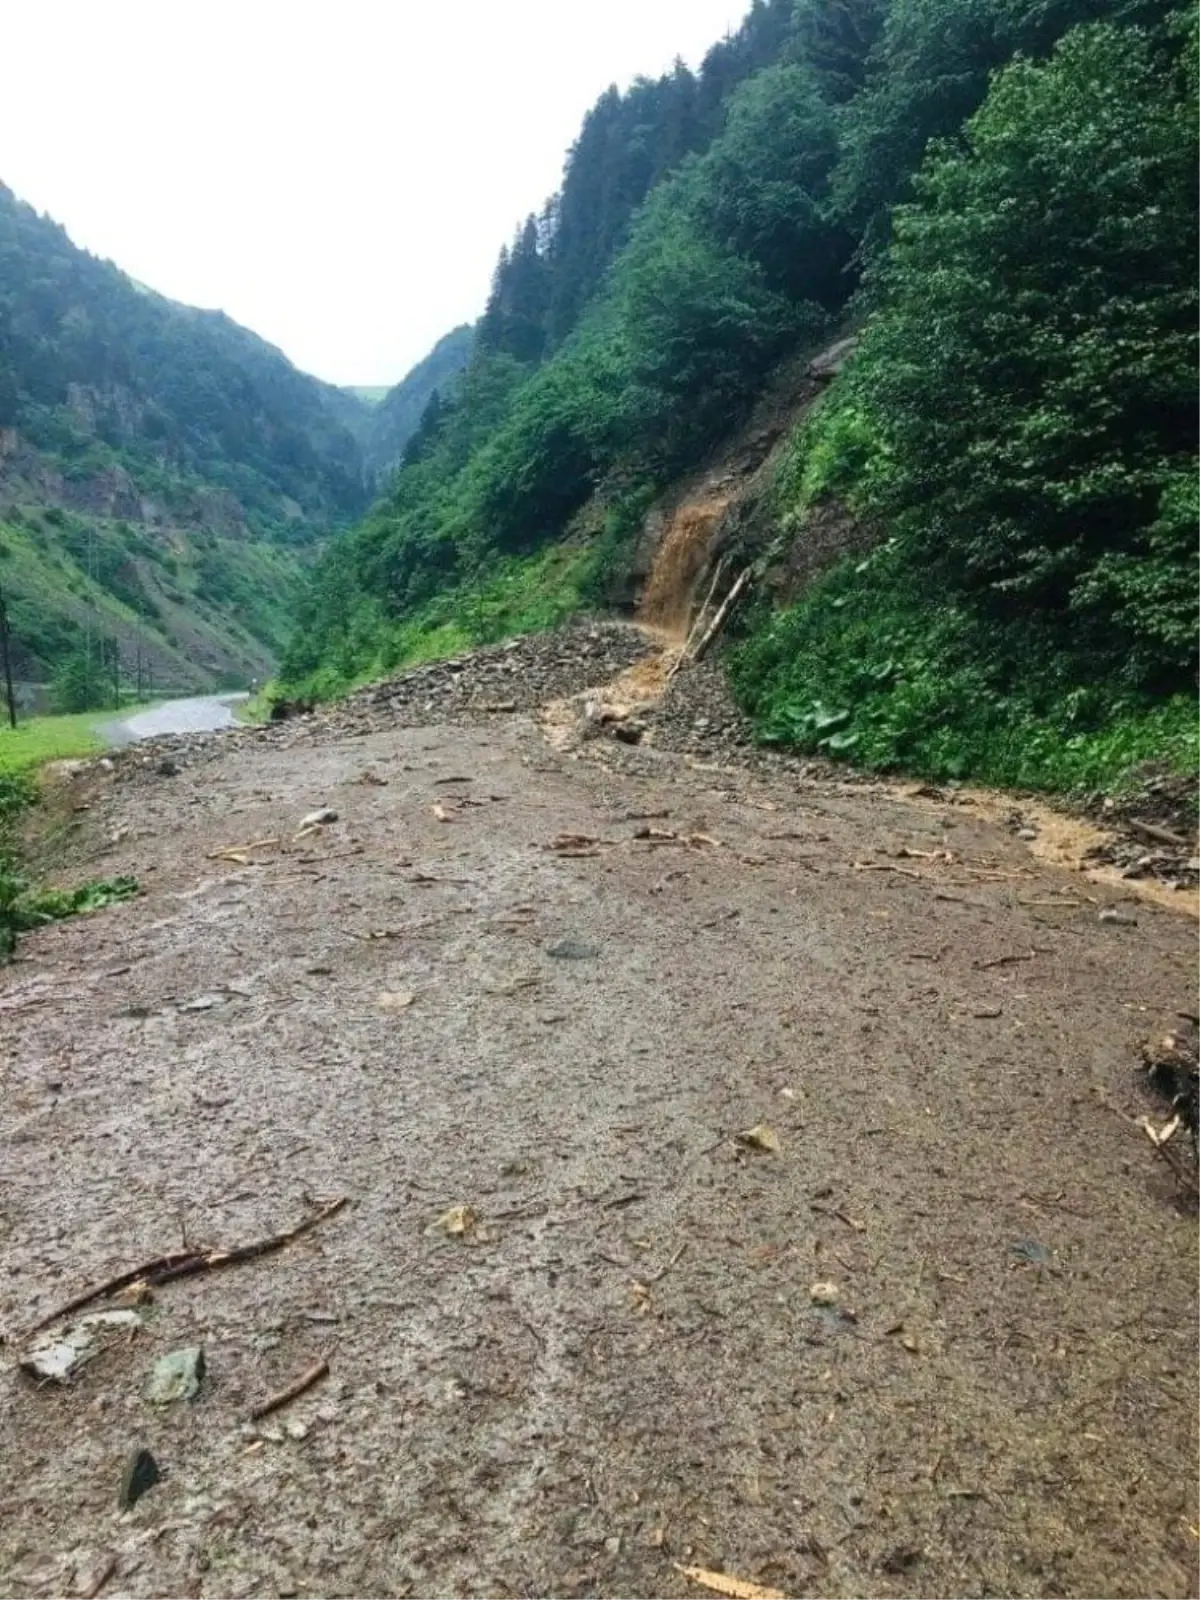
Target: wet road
point(930, 1330)
point(202, 714)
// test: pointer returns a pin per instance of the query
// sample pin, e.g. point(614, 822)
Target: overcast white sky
point(337, 176)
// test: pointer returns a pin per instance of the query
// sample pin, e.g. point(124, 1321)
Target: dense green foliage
point(584, 377)
point(195, 608)
point(402, 409)
point(1021, 417)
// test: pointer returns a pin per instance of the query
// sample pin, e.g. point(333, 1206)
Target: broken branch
point(1157, 834)
point(186, 1264)
point(284, 1397)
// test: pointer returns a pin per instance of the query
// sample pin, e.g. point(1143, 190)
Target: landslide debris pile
point(1155, 823)
point(517, 676)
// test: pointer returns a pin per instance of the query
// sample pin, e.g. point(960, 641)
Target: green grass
point(42, 739)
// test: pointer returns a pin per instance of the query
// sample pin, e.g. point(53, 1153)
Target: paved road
point(202, 714)
point(934, 1335)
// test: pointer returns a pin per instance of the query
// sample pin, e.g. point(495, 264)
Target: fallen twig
point(284, 1397)
point(1007, 961)
point(1181, 1173)
point(884, 866)
point(234, 851)
point(723, 1583)
point(662, 1271)
point(187, 1264)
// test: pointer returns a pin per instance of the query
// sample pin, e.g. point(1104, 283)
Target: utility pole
point(4, 651)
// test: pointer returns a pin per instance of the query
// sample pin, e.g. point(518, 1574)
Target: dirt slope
point(623, 1368)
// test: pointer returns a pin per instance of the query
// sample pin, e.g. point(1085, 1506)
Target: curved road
point(201, 714)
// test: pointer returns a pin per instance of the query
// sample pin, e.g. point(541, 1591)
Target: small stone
point(1120, 919)
point(824, 1294)
point(318, 818)
point(176, 1376)
point(141, 1473)
point(167, 768)
point(572, 950)
point(1028, 834)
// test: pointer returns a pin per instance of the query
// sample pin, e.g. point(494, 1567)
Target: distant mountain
point(397, 416)
point(372, 393)
point(162, 469)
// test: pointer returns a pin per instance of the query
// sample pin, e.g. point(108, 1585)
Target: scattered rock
point(459, 1222)
point(395, 1000)
point(1030, 1250)
point(318, 818)
point(1120, 919)
point(60, 1358)
point(760, 1137)
point(572, 950)
point(176, 1376)
point(141, 1473)
point(167, 768)
point(1028, 834)
point(204, 1002)
point(823, 1294)
point(1171, 1056)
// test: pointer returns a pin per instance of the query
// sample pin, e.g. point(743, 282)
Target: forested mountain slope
point(1001, 196)
point(400, 411)
point(162, 470)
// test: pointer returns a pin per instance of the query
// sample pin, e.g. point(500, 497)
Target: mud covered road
point(625, 1364)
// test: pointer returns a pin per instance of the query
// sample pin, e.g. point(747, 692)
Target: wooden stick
point(1156, 834)
point(723, 610)
point(1002, 961)
point(237, 849)
point(318, 1370)
point(1183, 1176)
point(186, 1264)
point(697, 620)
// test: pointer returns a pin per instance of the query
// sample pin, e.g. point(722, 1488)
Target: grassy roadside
point(25, 904)
point(40, 739)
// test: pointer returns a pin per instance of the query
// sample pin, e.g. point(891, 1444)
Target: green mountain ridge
point(165, 474)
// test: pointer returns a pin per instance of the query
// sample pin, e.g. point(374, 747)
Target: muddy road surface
point(929, 1330)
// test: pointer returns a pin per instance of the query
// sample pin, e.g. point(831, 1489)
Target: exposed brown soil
point(622, 1366)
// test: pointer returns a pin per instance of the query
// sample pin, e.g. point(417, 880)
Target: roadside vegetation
point(38, 739)
point(1020, 419)
point(24, 905)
